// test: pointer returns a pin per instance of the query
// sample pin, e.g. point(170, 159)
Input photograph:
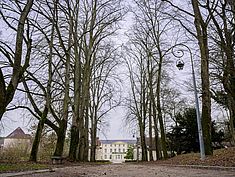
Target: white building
point(16, 139)
point(114, 150)
point(138, 150)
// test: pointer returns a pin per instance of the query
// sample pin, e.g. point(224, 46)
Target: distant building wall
point(114, 151)
point(139, 157)
point(16, 143)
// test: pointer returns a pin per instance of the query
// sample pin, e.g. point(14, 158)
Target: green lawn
point(21, 167)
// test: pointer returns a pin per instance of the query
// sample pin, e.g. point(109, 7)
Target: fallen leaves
point(222, 157)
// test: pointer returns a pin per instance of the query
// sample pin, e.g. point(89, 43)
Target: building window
point(110, 150)
point(123, 145)
point(105, 145)
point(115, 150)
point(110, 156)
point(119, 150)
point(105, 150)
point(123, 150)
point(105, 156)
point(115, 145)
point(119, 145)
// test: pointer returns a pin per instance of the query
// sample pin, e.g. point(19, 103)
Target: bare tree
point(14, 56)
point(98, 20)
point(222, 16)
point(149, 38)
point(136, 104)
point(104, 90)
point(201, 22)
point(52, 90)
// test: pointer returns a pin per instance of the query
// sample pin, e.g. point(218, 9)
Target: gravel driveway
point(133, 170)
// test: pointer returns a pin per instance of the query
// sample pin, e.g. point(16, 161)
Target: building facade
point(113, 150)
point(16, 139)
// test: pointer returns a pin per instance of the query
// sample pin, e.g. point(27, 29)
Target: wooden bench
point(57, 160)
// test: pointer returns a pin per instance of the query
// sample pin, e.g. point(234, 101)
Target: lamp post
point(137, 145)
point(180, 66)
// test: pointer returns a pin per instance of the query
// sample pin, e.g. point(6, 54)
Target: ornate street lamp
point(180, 65)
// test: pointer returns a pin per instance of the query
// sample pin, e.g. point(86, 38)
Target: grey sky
point(117, 128)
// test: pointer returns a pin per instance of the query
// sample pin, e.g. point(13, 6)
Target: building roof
point(115, 141)
point(18, 133)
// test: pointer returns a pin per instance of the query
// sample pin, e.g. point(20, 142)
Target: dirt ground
point(132, 170)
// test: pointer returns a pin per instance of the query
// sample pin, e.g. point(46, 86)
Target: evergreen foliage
point(183, 137)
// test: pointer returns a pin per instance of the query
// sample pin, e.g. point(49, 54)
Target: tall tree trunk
point(93, 140)
point(81, 144)
point(231, 107)
point(88, 52)
point(150, 133)
point(157, 142)
point(73, 142)
point(159, 109)
point(84, 105)
point(74, 139)
point(37, 138)
point(155, 121)
point(143, 143)
point(202, 37)
point(86, 148)
point(61, 134)
point(162, 131)
point(157, 145)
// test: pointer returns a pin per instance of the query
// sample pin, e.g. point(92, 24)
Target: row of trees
point(62, 63)
point(71, 78)
point(145, 60)
point(160, 26)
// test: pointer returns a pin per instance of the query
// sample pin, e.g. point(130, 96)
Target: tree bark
point(143, 143)
point(37, 138)
point(73, 143)
point(74, 139)
point(61, 134)
point(150, 133)
point(202, 37)
point(86, 148)
point(155, 121)
point(93, 140)
point(159, 109)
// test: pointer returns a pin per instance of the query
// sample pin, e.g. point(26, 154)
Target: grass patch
point(9, 167)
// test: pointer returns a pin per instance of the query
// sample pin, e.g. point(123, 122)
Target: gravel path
point(132, 170)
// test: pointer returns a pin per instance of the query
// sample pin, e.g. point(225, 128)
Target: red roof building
point(17, 139)
point(18, 134)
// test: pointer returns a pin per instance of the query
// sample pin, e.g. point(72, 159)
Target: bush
point(130, 160)
point(14, 154)
point(102, 161)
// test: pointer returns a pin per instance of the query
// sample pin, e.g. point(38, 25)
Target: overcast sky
point(117, 128)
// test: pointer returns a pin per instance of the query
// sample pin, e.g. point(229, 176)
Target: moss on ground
point(16, 167)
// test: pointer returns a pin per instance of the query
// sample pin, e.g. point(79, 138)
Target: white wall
point(19, 143)
point(114, 152)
